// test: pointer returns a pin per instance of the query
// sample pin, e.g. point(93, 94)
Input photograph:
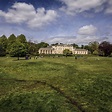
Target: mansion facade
point(58, 49)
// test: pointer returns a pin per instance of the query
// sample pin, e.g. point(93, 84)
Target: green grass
point(61, 81)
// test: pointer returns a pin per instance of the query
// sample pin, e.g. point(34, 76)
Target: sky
point(62, 21)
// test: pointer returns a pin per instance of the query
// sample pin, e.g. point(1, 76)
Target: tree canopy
point(105, 48)
point(11, 39)
point(21, 38)
point(18, 49)
point(19, 46)
point(67, 52)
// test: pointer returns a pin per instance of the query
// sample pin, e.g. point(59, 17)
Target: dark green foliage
point(82, 46)
point(11, 39)
point(67, 52)
point(87, 47)
point(96, 52)
point(3, 45)
point(4, 41)
point(18, 46)
point(2, 50)
point(42, 45)
point(21, 38)
point(75, 45)
point(54, 44)
point(32, 48)
point(105, 48)
point(94, 46)
point(17, 49)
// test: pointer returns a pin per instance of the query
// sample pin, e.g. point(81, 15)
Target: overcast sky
point(64, 21)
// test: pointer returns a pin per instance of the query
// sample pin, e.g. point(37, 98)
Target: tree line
point(102, 49)
point(19, 46)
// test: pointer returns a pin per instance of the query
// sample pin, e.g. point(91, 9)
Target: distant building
point(58, 49)
point(80, 51)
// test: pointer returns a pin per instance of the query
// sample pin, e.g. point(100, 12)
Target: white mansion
point(58, 49)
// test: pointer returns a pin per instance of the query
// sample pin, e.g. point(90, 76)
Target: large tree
point(11, 39)
point(75, 45)
point(21, 38)
point(42, 45)
point(105, 48)
point(4, 41)
point(93, 46)
point(2, 50)
point(67, 52)
point(18, 50)
point(3, 45)
point(32, 48)
point(54, 44)
point(87, 47)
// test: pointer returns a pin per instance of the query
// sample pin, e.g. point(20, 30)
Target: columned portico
point(45, 51)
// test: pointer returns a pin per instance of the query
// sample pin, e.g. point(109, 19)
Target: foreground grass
point(87, 80)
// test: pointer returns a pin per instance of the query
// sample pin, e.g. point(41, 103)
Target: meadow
point(57, 84)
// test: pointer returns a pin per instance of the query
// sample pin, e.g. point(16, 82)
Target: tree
point(32, 48)
point(11, 39)
point(75, 45)
point(18, 50)
point(82, 46)
point(54, 44)
point(42, 44)
point(87, 47)
point(93, 46)
point(21, 38)
point(67, 52)
point(2, 51)
point(4, 41)
point(96, 52)
point(105, 48)
point(3, 45)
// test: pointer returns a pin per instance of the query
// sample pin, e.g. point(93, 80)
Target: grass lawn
point(57, 84)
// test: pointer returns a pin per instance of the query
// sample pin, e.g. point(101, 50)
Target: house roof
point(47, 48)
point(80, 49)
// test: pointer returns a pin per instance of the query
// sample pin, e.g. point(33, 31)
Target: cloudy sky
point(65, 21)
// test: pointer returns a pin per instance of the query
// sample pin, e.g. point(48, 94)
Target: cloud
point(109, 10)
point(79, 39)
point(87, 30)
point(87, 34)
point(42, 17)
point(84, 35)
point(23, 13)
point(109, 7)
point(72, 7)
